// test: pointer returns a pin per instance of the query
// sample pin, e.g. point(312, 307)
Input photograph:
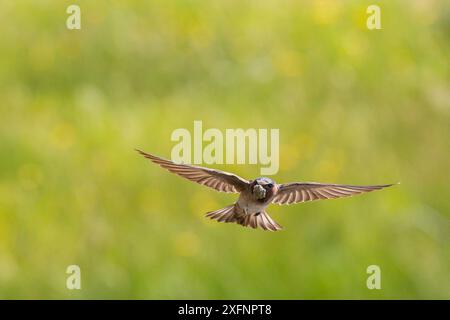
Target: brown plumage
point(256, 195)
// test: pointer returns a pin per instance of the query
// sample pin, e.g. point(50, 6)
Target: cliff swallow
point(255, 195)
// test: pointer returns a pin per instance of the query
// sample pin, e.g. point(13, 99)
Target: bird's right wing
point(219, 180)
point(290, 193)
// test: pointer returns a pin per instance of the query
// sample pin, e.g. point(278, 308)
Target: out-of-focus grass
point(352, 105)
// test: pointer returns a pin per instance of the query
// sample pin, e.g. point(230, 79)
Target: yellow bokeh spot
point(200, 36)
point(186, 244)
point(290, 157)
point(201, 202)
point(331, 166)
point(301, 147)
point(287, 63)
point(326, 11)
point(354, 45)
point(62, 136)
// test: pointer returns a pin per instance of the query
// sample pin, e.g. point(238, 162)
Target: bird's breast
point(251, 205)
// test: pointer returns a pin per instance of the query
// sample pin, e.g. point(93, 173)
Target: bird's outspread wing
point(219, 180)
point(295, 192)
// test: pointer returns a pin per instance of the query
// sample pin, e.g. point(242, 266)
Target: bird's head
point(264, 187)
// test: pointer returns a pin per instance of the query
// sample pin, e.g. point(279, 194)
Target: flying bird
point(255, 195)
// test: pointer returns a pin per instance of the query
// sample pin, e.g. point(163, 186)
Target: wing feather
point(219, 180)
point(296, 192)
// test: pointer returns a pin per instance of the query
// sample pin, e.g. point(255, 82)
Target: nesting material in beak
point(259, 191)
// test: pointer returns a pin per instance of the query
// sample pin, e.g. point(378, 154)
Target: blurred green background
point(352, 105)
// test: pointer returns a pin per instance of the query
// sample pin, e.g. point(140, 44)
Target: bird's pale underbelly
point(250, 206)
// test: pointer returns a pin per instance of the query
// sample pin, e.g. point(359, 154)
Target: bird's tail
point(227, 214)
point(254, 220)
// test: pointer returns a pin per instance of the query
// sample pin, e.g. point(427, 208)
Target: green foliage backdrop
point(353, 106)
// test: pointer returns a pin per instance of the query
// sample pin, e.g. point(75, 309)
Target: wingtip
point(390, 185)
point(151, 157)
point(143, 153)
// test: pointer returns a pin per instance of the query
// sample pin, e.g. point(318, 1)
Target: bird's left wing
point(290, 193)
point(219, 180)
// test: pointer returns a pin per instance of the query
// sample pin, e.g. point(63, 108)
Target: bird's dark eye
point(270, 185)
